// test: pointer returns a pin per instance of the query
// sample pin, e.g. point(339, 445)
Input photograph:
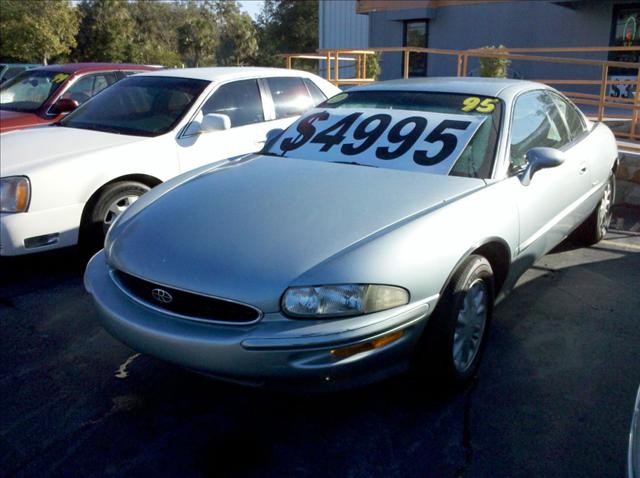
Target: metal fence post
point(603, 90)
point(405, 71)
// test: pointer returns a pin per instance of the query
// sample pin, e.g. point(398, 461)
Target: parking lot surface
point(553, 397)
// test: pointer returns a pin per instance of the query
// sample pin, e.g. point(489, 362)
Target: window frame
point(585, 128)
point(507, 153)
point(260, 94)
point(184, 131)
point(69, 84)
point(306, 82)
point(405, 25)
point(272, 104)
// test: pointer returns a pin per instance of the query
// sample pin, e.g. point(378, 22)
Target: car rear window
point(477, 158)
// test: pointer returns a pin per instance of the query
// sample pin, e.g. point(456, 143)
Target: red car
point(44, 95)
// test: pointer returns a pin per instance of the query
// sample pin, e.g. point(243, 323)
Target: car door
point(550, 205)
point(84, 87)
point(288, 97)
point(240, 100)
point(89, 85)
point(586, 146)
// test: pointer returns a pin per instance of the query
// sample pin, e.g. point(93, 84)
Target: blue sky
point(252, 7)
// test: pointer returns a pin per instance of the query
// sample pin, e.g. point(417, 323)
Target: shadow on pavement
point(554, 396)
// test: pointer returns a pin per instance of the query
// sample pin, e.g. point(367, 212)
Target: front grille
point(186, 304)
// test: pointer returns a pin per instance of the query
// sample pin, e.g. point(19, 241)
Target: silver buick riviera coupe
point(376, 232)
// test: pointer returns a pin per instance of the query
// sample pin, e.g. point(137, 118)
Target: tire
point(594, 228)
point(450, 351)
point(113, 200)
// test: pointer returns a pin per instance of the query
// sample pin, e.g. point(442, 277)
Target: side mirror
point(64, 105)
point(272, 135)
point(540, 158)
point(214, 122)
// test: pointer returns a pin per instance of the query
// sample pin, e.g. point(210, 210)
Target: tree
point(198, 33)
point(287, 26)
point(106, 31)
point(238, 37)
point(152, 42)
point(36, 31)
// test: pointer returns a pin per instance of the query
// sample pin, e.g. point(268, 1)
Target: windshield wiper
point(354, 163)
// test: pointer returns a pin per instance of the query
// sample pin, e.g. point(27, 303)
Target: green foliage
point(198, 34)
point(238, 37)
point(153, 43)
point(169, 33)
point(106, 31)
point(373, 66)
point(286, 26)
point(35, 31)
point(495, 67)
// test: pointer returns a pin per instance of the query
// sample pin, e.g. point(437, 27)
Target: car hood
point(246, 231)
point(10, 120)
point(23, 151)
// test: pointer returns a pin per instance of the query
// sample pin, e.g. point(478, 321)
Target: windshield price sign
point(398, 139)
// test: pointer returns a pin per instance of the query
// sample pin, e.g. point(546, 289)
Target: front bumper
point(276, 351)
point(61, 223)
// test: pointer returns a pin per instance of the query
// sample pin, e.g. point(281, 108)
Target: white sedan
point(67, 182)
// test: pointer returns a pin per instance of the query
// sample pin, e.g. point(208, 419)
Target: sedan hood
point(247, 230)
point(11, 120)
point(22, 151)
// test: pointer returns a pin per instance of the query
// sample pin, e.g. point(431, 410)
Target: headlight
point(343, 300)
point(15, 193)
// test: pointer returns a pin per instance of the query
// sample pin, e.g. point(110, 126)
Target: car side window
point(316, 93)
point(536, 122)
point(89, 85)
point(290, 96)
point(239, 100)
point(571, 115)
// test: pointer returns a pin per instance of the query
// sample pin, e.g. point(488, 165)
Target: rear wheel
point(596, 225)
point(112, 202)
point(451, 347)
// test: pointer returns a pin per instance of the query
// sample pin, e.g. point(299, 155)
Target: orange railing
point(625, 111)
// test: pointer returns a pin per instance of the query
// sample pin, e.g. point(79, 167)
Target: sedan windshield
point(138, 106)
point(476, 160)
point(28, 91)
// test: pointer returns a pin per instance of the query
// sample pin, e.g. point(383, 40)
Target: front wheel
point(112, 202)
point(451, 347)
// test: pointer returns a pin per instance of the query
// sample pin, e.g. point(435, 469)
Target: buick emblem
point(161, 295)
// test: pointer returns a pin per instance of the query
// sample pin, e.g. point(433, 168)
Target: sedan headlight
point(15, 194)
point(342, 300)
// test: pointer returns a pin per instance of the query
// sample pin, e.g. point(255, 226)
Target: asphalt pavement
point(553, 397)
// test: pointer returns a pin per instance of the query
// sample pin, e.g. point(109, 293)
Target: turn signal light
point(366, 346)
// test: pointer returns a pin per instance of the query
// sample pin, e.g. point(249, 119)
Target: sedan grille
point(185, 304)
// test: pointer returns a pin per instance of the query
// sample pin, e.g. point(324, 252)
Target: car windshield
point(27, 91)
point(435, 138)
point(138, 106)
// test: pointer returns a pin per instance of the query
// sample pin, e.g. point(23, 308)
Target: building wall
point(514, 24)
point(526, 24)
point(341, 27)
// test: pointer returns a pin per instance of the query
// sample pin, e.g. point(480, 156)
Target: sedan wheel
point(112, 202)
point(470, 326)
point(450, 349)
point(594, 228)
point(117, 207)
point(604, 209)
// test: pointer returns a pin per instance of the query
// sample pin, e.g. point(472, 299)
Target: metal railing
point(625, 112)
